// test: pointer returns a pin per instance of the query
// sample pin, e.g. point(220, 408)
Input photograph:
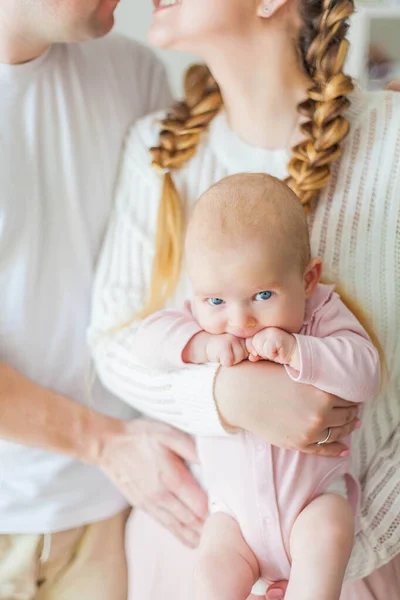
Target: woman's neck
point(261, 96)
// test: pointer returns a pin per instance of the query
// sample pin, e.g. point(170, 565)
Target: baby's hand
point(226, 349)
point(276, 345)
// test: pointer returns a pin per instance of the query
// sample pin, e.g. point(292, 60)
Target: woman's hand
point(261, 398)
point(146, 461)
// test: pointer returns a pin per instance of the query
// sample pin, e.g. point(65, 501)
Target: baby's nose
point(242, 321)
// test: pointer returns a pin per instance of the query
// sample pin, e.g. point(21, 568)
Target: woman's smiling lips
point(163, 4)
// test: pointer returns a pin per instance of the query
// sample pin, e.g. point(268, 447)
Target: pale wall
point(133, 18)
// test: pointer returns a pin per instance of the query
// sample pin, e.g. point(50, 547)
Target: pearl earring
point(267, 9)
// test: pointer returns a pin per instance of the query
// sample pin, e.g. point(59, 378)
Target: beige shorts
point(86, 563)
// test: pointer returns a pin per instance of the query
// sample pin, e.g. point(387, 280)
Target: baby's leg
point(226, 567)
point(320, 543)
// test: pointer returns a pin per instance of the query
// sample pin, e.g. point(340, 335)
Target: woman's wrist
point(230, 388)
point(223, 411)
point(261, 398)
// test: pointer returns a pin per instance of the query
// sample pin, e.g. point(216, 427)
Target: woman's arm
point(261, 398)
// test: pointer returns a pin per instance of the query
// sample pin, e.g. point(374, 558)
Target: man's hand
point(146, 461)
point(275, 345)
point(394, 85)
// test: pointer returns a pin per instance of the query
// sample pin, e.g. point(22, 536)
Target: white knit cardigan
point(355, 228)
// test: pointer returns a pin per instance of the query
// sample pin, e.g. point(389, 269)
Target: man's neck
point(17, 48)
point(19, 54)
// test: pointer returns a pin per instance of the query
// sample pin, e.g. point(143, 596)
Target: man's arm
point(394, 85)
point(39, 417)
point(145, 460)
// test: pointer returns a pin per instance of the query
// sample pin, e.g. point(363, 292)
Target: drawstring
point(44, 557)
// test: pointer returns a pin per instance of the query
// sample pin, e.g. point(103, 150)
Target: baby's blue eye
point(215, 301)
point(263, 295)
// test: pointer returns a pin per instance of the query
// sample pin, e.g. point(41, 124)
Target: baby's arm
point(170, 338)
point(338, 357)
point(162, 337)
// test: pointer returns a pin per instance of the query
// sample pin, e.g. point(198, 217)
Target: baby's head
point(248, 257)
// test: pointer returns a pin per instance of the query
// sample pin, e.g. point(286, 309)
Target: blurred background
point(375, 35)
point(133, 18)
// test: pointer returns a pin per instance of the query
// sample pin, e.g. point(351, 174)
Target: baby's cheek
point(212, 323)
point(296, 318)
point(216, 329)
point(287, 315)
point(214, 326)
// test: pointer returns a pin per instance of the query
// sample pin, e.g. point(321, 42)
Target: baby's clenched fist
point(226, 349)
point(275, 345)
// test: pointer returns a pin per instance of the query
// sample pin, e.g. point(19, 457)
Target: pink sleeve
point(338, 357)
point(162, 337)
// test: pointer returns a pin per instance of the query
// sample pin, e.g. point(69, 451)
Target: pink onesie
point(262, 486)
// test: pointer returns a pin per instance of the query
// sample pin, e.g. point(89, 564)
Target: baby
point(276, 514)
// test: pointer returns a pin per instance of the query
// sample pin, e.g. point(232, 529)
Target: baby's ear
point(312, 276)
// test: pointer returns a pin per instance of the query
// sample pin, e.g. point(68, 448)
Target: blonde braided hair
point(323, 49)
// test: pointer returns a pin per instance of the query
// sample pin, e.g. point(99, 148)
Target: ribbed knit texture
point(355, 228)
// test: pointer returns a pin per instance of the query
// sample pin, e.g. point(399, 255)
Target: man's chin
point(95, 29)
point(105, 28)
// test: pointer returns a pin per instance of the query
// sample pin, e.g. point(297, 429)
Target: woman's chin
point(160, 37)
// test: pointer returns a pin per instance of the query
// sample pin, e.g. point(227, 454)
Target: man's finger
point(181, 444)
point(181, 512)
point(187, 536)
point(394, 85)
point(188, 491)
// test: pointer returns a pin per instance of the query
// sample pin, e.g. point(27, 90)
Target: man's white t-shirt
point(62, 121)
